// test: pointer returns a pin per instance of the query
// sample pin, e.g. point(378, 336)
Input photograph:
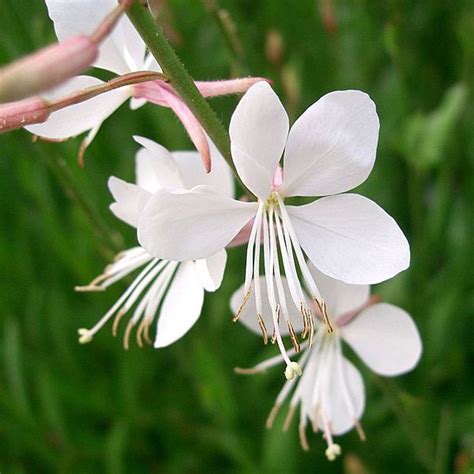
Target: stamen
point(293, 337)
point(273, 413)
point(242, 305)
point(314, 420)
point(360, 430)
point(269, 363)
point(289, 417)
point(126, 336)
point(303, 438)
point(116, 323)
point(261, 324)
point(321, 304)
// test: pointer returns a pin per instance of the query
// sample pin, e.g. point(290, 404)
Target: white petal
point(155, 167)
point(248, 316)
point(331, 148)
point(340, 297)
point(258, 133)
point(181, 307)
point(130, 200)
point(194, 174)
point(344, 377)
point(119, 52)
point(151, 64)
point(79, 118)
point(191, 225)
point(350, 238)
point(211, 270)
point(386, 338)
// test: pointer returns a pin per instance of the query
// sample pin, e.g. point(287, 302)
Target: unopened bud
point(46, 68)
point(21, 113)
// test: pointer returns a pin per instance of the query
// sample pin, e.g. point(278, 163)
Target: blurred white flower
point(172, 290)
point(330, 393)
point(123, 51)
point(330, 149)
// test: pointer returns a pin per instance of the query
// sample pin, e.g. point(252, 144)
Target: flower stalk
point(37, 110)
point(179, 78)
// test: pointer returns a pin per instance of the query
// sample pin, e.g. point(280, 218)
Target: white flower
point(330, 393)
point(172, 290)
point(330, 149)
point(123, 51)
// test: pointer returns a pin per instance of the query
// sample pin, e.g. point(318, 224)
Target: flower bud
point(47, 68)
point(24, 112)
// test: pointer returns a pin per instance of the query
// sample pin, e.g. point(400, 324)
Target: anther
point(242, 305)
point(272, 415)
point(289, 417)
point(126, 336)
point(85, 336)
point(303, 438)
point(293, 337)
point(263, 329)
point(324, 313)
point(360, 430)
point(116, 323)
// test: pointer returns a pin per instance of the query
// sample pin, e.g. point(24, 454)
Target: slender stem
point(179, 78)
point(112, 241)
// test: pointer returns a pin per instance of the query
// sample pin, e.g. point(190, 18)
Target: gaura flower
point(122, 52)
point(330, 393)
point(329, 150)
point(171, 292)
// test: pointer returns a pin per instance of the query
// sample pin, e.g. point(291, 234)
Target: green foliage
point(95, 408)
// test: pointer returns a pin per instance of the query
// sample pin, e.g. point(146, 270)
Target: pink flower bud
point(25, 112)
point(47, 68)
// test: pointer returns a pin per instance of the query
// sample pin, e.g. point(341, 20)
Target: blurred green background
point(78, 409)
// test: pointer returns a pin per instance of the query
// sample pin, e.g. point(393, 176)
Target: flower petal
point(344, 377)
point(211, 270)
point(191, 124)
point(386, 338)
point(119, 52)
point(350, 238)
point(130, 200)
point(340, 297)
point(258, 133)
point(333, 391)
point(76, 119)
point(181, 306)
point(155, 168)
point(191, 225)
point(193, 173)
point(331, 148)
point(248, 316)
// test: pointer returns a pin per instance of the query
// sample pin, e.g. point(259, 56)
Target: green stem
point(179, 78)
point(58, 166)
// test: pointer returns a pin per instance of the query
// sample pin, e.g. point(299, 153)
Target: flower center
point(281, 254)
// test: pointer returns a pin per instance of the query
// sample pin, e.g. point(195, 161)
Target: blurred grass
point(70, 408)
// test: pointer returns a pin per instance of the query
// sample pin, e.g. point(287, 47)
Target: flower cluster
point(308, 266)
